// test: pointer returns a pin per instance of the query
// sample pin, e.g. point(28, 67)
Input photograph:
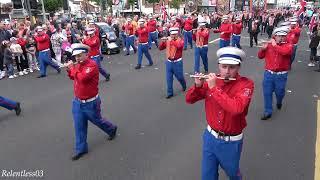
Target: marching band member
point(10, 105)
point(277, 54)
point(187, 32)
point(92, 40)
point(43, 46)
point(253, 30)
point(86, 104)
point(270, 24)
point(143, 48)
point(129, 31)
point(174, 63)
point(153, 33)
point(201, 37)
point(236, 33)
point(226, 106)
point(293, 36)
point(225, 31)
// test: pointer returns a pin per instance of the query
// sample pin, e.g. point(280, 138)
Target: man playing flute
point(226, 106)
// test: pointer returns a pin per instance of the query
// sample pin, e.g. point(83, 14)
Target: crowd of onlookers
point(18, 52)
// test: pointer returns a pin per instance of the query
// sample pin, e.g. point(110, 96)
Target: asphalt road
point(158, 139)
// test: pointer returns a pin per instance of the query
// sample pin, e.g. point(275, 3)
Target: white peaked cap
point(230, 55)
point(202, 23)
point(287, 23)
point(174, 30)
point(141, 21)
point(79, 48)
point(90, 30)
point(281, 31)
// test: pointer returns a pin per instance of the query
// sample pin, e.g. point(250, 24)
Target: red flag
point(164, 11)
point(302, 4)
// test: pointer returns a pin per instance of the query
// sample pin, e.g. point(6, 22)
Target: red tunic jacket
point(86, 79)
point(226, 104)
point(277, 58)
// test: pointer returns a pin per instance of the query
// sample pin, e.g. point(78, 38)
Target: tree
point(131, 3)
point(175, 4)
point(52, 5)
point(153, 2)
point(103, 4)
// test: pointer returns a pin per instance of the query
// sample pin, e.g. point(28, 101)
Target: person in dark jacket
point(4, 36)
point(253, 30)
point(314, 42)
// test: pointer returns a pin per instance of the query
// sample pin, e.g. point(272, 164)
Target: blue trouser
point(130, 42)
point(273, 83)
point(143, 49)
point(236, 41)
point(82, 112)
point(217, 152)
point(10, 69)
point(7, 103)
point(224, 43)
point(293, 56)
point(123, 37)
point(153, 37)
point(187, 36)
point(176, 69)
point(45, 60)
point(102, 71)
point(203, 52)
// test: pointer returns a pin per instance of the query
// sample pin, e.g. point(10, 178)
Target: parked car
point(109, 40)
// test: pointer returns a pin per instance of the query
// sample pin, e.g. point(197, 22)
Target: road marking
point(214, 41)
point(317, 160)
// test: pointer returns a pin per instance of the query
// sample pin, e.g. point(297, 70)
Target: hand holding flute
point(201, 76)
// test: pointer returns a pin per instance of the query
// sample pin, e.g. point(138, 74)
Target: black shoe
point(59, 71)
point(150, 64)
point(206, 72)
point(279, 106)
point(184, 88)
point(169, 96)
point(184, 49)
point(266, 117)
point(127, 54)
point(114, 134)
point(108, 77)
point(41, 76)
point(137, 66)
point(191, 47)
point(18, 109)
point(78, 156)
point(149, 47)
point(317, 70)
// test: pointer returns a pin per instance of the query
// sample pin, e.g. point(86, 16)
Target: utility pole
point(29, 12)
point(43, 12)
point(102, 8)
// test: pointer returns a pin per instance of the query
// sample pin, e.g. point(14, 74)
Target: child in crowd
point(8, 58)
point(31, 53)
point(18, 55)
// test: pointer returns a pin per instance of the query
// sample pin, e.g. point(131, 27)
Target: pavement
point(158, 139)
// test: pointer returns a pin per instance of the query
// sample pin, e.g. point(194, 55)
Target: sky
point(5, 1)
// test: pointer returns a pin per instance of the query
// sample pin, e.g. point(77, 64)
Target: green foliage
point(175, 4)
point(52, 5)
point(131, 2)
point(153, 1)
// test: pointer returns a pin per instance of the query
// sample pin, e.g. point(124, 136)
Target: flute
point(265, 41)
point(206, 77)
